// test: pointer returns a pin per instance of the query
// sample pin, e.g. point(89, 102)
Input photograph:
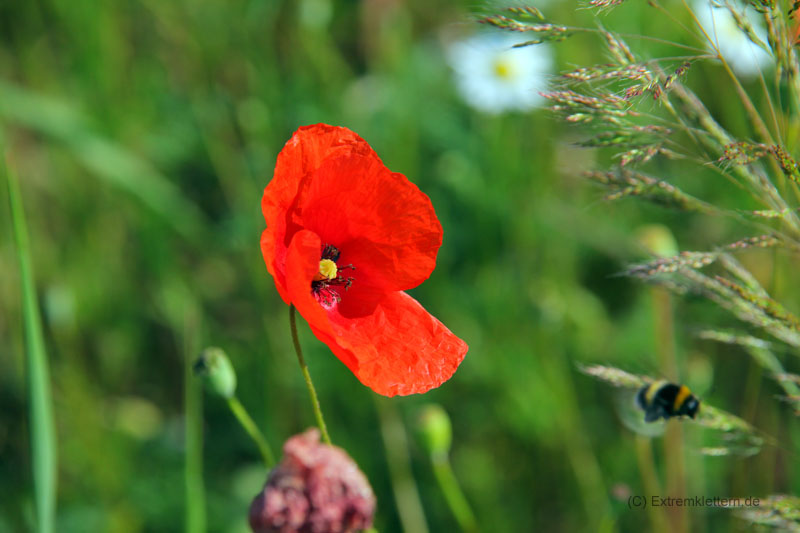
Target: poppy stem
point(304, 368)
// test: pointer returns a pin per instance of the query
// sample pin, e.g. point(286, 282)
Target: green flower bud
point(217, 372)
point(658, 240)
point(434, 429)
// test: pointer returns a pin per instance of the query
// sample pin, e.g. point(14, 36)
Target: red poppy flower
point(345, 237)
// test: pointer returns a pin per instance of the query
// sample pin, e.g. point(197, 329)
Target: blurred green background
point(143, 134)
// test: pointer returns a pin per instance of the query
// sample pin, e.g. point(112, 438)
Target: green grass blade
point(42, 425)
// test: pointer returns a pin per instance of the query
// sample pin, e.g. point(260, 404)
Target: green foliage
point(144, 133)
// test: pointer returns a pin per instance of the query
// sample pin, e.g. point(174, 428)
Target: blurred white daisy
point(494, 77)
point(744, 57)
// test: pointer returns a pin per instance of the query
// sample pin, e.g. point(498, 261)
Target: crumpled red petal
point(399, 349)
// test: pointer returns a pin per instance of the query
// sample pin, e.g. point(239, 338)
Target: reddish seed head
point(316, 488)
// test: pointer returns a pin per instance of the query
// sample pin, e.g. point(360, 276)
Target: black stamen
point(331, 252)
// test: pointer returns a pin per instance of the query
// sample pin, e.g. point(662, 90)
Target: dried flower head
point(316, 488)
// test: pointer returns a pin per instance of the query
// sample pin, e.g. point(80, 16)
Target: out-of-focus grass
point(145, 133)
point(40, 399)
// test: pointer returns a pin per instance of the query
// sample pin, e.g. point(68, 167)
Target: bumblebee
point(662, 399)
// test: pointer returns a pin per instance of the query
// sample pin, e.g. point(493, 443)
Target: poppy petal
point(302, 262)
point(373, 347)
point(299, 158)
point(275, 259)
point(381, 222)
point(399, 349)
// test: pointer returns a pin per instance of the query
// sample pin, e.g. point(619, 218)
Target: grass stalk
point(395, 441)
point(652, 487)
point(40, 401)
point(673, 439)
point(453, 494)
point(717, 139)
point(584, 463)
point(194, 489)
point(252, 430)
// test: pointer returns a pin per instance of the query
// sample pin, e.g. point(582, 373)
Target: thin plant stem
point(252, 430)
point(673, 440)
point(307, 376)
point(580, 454)
point(406, 494)
point(744, 475)
point(771, 195)
point(639, 36)
point(40, 402)
point(194, 489)
point(452, 492)
point(650, 483)
point(755, 118)
point(768, 194)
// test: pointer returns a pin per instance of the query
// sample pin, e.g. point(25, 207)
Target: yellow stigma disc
point(327, 270)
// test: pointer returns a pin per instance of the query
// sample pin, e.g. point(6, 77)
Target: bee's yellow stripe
point(653, 389)
point(683, 393)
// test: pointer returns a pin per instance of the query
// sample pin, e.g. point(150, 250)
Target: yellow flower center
point(503, 69)
point(327, 270)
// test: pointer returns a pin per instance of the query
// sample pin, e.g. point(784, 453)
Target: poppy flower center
point(327, 270)
point(328, 281)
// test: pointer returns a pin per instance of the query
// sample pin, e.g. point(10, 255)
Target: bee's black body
point(662, 399)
